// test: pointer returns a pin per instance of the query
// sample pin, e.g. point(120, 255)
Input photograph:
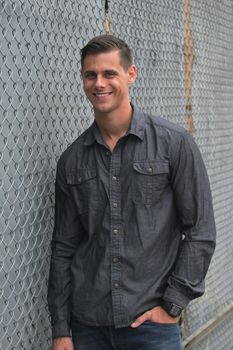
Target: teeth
point(102, 94)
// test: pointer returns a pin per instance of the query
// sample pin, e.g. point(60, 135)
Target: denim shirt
point(132, 227)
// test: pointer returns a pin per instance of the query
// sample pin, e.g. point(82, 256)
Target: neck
point(114, 125)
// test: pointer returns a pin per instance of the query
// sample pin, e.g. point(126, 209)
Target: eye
point(90, 75)
point(110, 74)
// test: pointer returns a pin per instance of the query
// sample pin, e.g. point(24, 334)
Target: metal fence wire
point(184, 53)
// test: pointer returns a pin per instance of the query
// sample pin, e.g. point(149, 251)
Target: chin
point(103, 109)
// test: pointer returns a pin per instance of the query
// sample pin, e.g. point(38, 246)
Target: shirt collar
point(137, 128)
point(92, 135)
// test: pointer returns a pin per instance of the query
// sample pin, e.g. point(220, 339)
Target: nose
point(100, 82)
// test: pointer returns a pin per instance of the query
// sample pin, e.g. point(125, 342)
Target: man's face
point(106, 82)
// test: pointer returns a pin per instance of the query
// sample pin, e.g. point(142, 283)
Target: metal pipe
point(207, 328)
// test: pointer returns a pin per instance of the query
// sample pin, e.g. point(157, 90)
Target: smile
point(102, 94)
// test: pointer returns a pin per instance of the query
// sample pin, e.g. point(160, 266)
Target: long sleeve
point(195, 212)
point(66, 235)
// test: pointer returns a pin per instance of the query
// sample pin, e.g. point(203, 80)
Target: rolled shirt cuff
point(61, 329)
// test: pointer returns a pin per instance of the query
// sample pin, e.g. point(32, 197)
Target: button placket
point(115, 245)
point(115, 259)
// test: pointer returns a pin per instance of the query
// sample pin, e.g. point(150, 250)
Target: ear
point(81, 73)
point(132, 74)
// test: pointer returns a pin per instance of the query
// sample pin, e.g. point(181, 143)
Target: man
point(134, 227)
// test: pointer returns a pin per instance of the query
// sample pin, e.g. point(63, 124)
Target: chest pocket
point(150, 179)
point(84, 188)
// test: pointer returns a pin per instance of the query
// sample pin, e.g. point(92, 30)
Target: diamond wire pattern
point(212, 27)
point(220, 338)
point(43, 109)
point(154, 31)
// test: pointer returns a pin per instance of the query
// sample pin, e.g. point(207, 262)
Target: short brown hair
point(107, 43)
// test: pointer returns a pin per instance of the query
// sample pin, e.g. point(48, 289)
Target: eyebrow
point(89, 72)
point(111, 71)
point(108, 71)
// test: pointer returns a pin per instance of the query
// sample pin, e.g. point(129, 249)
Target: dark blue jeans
point(149, 336)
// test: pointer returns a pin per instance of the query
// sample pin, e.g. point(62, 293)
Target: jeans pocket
point(159, 324)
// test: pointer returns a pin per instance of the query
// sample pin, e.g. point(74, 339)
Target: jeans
point(149, 336)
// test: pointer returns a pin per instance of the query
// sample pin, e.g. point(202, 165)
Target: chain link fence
point(43, 109)
point(212, 28)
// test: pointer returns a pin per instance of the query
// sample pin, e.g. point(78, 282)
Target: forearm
point(59, 293)
point(66, 236)
point(186, 282)
point(195, 216)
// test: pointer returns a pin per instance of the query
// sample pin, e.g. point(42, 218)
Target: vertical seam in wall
point(188, 63)
point(107, 19)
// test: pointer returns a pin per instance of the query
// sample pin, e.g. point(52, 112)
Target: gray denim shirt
point(132, 227)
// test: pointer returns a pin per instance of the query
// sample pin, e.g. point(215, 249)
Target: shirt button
point(114, 178)
point(116, 285)
point(115, 259)
point(80, 179)
point(115, 231)
point(150, 170)
point(107, 153)
point(114, 205)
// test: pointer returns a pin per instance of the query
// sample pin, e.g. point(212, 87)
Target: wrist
point(173, 309)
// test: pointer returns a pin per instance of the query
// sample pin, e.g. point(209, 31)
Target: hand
point(62, 343)
point(157, 314)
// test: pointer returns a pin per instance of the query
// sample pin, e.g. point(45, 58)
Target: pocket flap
point(81, 176)
point(151, 168)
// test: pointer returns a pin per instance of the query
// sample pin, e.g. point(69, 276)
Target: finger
point(141, 319)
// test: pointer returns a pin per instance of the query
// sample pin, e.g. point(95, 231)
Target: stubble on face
point(106, 82)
